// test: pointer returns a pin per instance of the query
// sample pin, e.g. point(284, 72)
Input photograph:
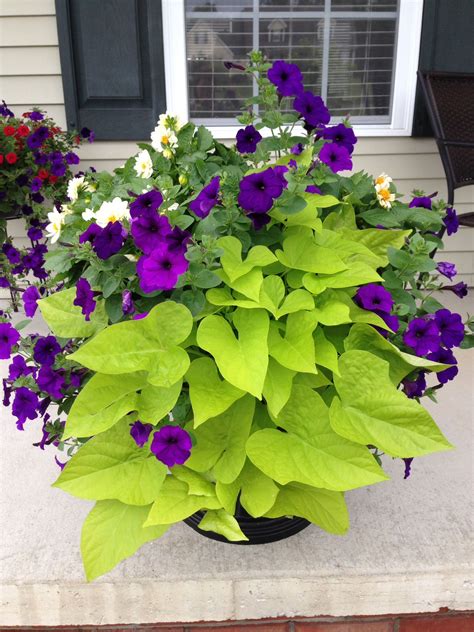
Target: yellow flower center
point(385, 194)
point(380, 180)
point(165, 139)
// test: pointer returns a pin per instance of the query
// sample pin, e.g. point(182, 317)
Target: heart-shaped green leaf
point(66, 319)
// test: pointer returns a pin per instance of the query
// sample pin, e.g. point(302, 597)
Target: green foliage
point(66, 320)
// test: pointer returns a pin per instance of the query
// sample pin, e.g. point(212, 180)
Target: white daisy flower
point(385, 197)
point(88, 214)
point(53, 229)
point(76, 186)
point(66, 210)
point(143, 164)
point(163, 137)
point(112, 211)
point(171, 121)
point(382, 182)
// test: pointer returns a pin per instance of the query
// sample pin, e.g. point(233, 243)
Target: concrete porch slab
point(409, 549)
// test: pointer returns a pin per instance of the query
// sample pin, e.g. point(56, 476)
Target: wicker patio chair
point(449, 98)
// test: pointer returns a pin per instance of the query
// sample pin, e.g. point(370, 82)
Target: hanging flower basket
point(243, 332)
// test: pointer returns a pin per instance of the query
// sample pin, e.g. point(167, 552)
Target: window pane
point(291, 5)
point(361, 57)
point(219, 5)
point(364, 5)
point(215, 92)
point(296, 40)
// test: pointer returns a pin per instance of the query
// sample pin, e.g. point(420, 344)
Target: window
point(359, 55)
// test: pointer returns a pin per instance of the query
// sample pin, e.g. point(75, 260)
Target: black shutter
point(112, 66)
point(446, 45)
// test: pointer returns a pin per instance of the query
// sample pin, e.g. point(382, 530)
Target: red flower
point(43, 174)
point(22, 131)
point(9, 130)
point(56, 130)
point(52, 179)
point(11, 158)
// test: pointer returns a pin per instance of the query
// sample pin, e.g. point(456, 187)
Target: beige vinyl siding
point(30, 75)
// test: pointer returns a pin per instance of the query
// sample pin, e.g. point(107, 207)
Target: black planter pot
point(258, 530)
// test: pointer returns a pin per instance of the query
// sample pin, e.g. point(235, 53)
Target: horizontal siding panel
point(401, 167)
point(32, 89)
point(115, 150)
point(19, 61)
point(464, 260)
point(374, 146)
point(26, 7)
point(28, 31)
point(463, 240)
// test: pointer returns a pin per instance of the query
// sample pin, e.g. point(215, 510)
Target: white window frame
point(404, 83)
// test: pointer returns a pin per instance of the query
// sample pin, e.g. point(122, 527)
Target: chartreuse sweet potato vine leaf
point(66, 319)
point(348, 250)
point(271, 297)
point(175, 503)
point(310, 452)
point(102, 402)
point(223, 523)
point(112, 466)
point(220, 442)
point(322, 507)
point(336, 307)
point(295, 350)
point(149, 344)
point(112, 532)
point(241, 360)
point(210, 396)
point(372, 411)
point(248, 284)
point(378, 241)
point(277, 386)
point(325, 351)
point(231, 259)
point(154, 402)
point(300, 251)
point(359, 273)
point(366, 338)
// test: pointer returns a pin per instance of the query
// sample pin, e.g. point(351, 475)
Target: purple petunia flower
point(248, 139)
point(30, 298)
point(9, 337)
point(374, 297)
point(447, 269)
point(5, 110)
point(286, 77)
point(24, 406)
point(35, 233)
point(312, 109)
point(50, 382)
point(451, 221)
point(297, 149)
point(312, 188)
point(160, 270)
point(35, 116)
point(140, 433)
point(149, 230)
point(149, 201)
point(258, 190)
point(415, 388)
point(140, 316)
point(460, 289)
point(336, 157)
point(445, 356)
point(128, 306)
point(421, 202)
point(4, 282)
point(422, 335)
point(18, 368)
point(58, 168)
point(7, 392)
point(36, 184)
point(11, 253)
point(38, 198)
point(45, 351)
point(206, 199)
point(171, 445)
point(72, 158)
point(109, 241)
point(451, 327)
point(22, 180)
point(341, 135)
point(88, 134)
point(90, 234)
point(85, 298)
point(177, 240)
